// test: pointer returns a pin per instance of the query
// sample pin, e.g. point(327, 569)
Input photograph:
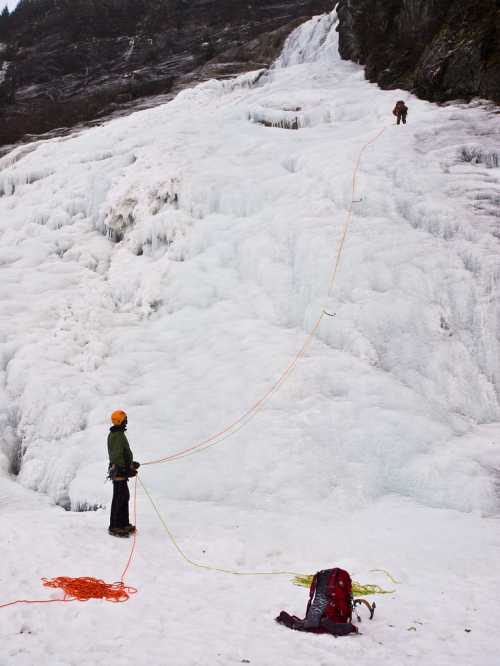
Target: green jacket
point(119, 451)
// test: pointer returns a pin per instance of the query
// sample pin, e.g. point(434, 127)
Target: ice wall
point(171, 263)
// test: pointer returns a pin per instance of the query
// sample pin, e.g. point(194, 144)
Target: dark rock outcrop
point(63, 62)
point(440, 49)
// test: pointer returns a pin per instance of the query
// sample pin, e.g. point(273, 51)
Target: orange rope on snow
point(85, 588)
point(34, 601)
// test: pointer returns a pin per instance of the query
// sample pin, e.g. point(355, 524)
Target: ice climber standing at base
point(121, 468)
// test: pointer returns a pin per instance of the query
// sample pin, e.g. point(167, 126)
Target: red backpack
point(330, 606)
point(336, 586)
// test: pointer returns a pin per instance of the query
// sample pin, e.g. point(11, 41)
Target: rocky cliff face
point(440, 49)
point(67, 61)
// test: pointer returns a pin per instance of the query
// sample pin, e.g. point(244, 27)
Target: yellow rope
point(298, 579)
point(358, 589)
point(206, 566)
point(233, 428)
point(350, 210)
point(239, 423)
point(393, 580)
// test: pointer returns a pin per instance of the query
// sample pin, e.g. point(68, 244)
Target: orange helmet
point(118, 418)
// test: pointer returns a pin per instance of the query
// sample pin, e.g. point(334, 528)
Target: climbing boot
point(130, 528)
point(122, 532)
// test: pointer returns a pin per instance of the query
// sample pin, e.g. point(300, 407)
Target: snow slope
point(172, 263)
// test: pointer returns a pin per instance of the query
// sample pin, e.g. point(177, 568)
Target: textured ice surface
point(171, 264)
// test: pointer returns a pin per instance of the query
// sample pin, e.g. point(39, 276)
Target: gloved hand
point(133, 469)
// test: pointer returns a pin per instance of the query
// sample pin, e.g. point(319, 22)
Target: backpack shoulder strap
point(312, 591)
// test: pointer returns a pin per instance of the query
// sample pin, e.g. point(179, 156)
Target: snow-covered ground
point(172, 264)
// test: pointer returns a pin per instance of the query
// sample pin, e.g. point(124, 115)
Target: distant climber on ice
point(400, 111)
point(121, 468)
point(330, 606)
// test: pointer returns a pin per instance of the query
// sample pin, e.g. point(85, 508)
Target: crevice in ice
point(496, 481)
point(82, 507)
point(435, 221)
point(7, 186)
point(97, 157)
point(246, 81)
point(16, 453)
point(478, 155)
point(290, 164)
point(488, 203)
point(292, 118)
point(17, 155)
point(149, 224)
point(119, 219)
point(285, 123)
point(11, 444)
point(10, 181)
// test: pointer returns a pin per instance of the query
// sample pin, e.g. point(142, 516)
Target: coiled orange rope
point(85, 588)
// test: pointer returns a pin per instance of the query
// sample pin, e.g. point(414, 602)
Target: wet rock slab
point(72, 61)
point(442, 50)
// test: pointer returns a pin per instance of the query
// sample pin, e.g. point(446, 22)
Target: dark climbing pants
point(119, 506)
point(402, 117)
